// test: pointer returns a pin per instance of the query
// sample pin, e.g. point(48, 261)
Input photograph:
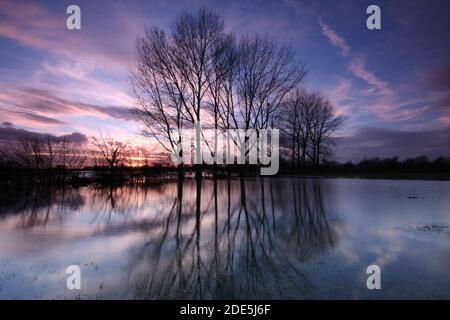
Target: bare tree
point(310, 121)
point(111, 152)
point(44, 151)
point(70, 155)
point(265, 74)
point(199, 67)
point(158, 91)
point(220, 83)
point(173, 75)
point(324, 123)
point(196, 40)
point(292, 117)
point(308, 104)
point(30, 151)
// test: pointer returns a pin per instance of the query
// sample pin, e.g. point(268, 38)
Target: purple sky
point(392, 84)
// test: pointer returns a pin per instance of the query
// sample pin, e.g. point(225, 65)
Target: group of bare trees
point(45, 151)
point(109, 152)
point(200, 73)
point(309, 120)
point(38, 151)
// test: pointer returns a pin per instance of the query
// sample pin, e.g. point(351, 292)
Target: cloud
point(74, 137)
point(76, 78)
point(335, 39)
point(41, 106)
point(439, 79)
point(37, 26)
point(38, 118)
point(340, 93)
point(357, 63)
point(11, 134)
point(116, 112)
point(358, 67)
point(380, 103)
point(370, 142)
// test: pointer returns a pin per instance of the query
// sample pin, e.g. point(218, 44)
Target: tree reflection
point(200, 238)
point(38, 204)
point(244, 240)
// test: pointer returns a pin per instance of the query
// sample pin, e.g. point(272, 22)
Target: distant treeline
point(378, 166)
point(419, 167)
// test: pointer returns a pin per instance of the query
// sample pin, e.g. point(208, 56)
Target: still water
point(280, 238)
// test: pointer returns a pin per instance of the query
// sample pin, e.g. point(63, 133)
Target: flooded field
point(293, 238)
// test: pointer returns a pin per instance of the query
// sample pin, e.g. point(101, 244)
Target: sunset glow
point(61, 81)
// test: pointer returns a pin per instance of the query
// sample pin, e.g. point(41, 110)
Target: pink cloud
point(443, 121)
point(357, 63)
point(35, 26)
point(46, 107)
point(79, 81)
point(335, 39)
point(358, 67)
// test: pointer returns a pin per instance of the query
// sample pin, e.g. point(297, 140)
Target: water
point(292, 238)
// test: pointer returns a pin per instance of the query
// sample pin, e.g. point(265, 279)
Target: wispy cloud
point(43, 106)
point(400, 105)
point(378, 98)
point(8, 133)
point(357, 63)
point(335, 39)
point(60, 81)
point(38, 118)
point(358, 67)
point(33, 25)
point(370, 142)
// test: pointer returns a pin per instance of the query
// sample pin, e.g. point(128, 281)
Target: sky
point(392, 85)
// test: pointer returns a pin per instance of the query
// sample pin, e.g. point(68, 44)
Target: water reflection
point(216, 242)
point(202, 239)
point(36, 205)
